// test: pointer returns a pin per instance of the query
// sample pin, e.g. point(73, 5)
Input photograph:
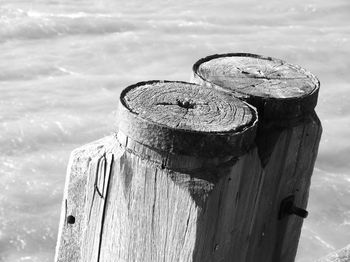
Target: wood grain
point(287, 140)
point(175, 184)
point(186, 179)
point(186, 118)
point(287, 171)
point(80, 169)
point(149, 212)
point(278, 89)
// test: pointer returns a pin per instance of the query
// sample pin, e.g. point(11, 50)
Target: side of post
point(82, 164)
point(287, 141)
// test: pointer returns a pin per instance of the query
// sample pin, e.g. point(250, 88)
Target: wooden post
point(179, 182)
point(288, 136)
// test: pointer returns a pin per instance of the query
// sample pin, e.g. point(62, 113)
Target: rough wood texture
point(185, 208)
point(287, 155)
point(82, 168)
point(185, 118)
point(279, 90)
point(154, 213)
point(133, 201)
point(341, 255)
point(287, 140)
point(183, 181)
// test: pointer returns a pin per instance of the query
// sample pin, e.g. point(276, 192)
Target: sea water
point(63, 64)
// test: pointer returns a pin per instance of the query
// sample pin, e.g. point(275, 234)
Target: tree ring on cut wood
point(184, 118)
point(278, 90)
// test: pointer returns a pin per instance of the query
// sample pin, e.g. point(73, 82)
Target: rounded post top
point(278, 89)
point(184, 118)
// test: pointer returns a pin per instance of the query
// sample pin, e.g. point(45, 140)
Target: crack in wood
point(153, 208)
point(193, 171)
point(107, 182)
point(94, 191)
point(66, 212)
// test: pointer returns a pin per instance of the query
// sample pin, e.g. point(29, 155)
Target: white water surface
point(63, 64)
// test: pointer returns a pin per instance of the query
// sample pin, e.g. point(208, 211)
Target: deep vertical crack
point(105, 206)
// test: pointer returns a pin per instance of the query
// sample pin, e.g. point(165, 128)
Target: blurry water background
point(63, 64)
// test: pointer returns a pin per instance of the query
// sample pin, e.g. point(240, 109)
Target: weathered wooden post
point(289, 132)
point(179, 182)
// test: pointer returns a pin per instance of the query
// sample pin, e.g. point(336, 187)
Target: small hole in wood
point(71, 219)
point(186, 104)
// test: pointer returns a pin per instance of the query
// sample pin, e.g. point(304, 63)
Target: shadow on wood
point(287, 141)
point(192, 175)
point(174, 185)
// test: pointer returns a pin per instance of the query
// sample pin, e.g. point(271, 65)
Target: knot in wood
point(278, 89)
point(186, 118)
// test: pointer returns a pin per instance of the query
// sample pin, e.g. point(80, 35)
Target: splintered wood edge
point(178, 140)
point(268, 107)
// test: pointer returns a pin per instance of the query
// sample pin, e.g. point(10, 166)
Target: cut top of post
point(184, 118)
point(278, 89)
